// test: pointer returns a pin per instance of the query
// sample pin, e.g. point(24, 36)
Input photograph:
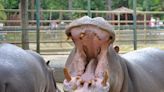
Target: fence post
point(37, 5)
point(134, 25)
point(119, 26)
point(145, 28)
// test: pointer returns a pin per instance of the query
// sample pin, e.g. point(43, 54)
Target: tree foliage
point(10, 4)
point(54, 4)
point(2, 13)
point(149, 5)
point(152, 5)
point(95, 4)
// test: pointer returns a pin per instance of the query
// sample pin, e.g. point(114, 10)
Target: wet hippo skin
point(95, 66)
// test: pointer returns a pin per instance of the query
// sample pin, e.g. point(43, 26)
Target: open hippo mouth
point(87, 67)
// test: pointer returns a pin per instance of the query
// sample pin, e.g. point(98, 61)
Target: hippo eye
point(69, 34)
point(110, 37)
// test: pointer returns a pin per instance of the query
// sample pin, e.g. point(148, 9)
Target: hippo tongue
point(89, 71)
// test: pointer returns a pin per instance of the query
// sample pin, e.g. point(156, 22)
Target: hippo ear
point(117, 49)
point(48, 62)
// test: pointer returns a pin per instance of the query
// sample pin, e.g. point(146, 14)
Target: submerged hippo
point(24, 71)
point(94, 65)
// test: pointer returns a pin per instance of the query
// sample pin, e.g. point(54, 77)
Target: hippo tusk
point(67, 75)
point(104, 81)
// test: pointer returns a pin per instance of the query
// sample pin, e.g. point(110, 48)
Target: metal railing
point(54, 41)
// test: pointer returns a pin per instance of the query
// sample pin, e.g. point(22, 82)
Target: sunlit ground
point(128, 48)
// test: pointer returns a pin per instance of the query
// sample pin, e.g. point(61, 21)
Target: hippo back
point(145, 68)
point(21, 71)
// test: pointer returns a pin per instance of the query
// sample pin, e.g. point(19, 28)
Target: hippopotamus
point(95, 66)
point(24, 71)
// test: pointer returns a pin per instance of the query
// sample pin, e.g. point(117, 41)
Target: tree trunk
point(24, 24)
point(162, 5)
point(70, 8)
point(109, 8)
point(109, 5)
point(32, 8)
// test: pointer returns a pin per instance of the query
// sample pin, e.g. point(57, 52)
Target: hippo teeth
point(105, 79)
point(67, 75)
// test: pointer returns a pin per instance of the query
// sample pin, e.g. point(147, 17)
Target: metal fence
point(54, 41)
